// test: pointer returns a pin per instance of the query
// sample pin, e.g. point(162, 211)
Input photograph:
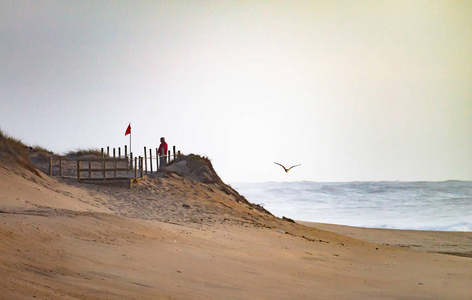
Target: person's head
point(163, 139)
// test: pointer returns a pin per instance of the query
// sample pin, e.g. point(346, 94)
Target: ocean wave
point(439, 206)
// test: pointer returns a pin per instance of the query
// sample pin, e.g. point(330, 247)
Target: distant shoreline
point(444, 242)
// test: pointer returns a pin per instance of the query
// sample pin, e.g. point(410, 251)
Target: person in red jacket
point(162, 152)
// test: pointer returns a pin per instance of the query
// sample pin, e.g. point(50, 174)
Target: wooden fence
point(109, 168)
point(60, 165)
point(168, 158)
point(102, 167)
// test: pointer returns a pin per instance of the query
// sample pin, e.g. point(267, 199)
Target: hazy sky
point(352, 90)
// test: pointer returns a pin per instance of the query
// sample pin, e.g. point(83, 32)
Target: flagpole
point(128, 131)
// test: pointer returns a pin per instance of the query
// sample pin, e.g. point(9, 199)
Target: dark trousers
point(162, 161)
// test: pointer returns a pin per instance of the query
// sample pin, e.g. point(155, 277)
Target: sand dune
point(173, 237)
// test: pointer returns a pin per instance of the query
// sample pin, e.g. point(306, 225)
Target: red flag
point(128, 130)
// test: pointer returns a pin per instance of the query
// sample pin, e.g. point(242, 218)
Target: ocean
point(439, 206)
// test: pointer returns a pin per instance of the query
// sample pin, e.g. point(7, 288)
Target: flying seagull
point(286, 170)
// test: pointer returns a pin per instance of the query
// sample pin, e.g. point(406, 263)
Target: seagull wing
point(280, 165)
point(294, 166)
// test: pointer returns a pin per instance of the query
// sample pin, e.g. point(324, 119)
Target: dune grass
point(85, 152)
point(12, 146)
point(14, 149)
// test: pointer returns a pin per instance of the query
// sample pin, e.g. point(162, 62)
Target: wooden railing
point(109, 165)
point(90, 166)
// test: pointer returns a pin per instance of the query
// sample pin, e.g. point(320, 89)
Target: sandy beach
point(447, 242)
point(180, 237)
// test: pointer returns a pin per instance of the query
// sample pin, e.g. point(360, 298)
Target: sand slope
point(177, 238)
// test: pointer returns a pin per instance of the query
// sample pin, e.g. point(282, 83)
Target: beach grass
point(14, 149)
point(85, 152)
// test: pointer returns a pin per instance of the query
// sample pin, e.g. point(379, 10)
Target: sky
point(351, 90)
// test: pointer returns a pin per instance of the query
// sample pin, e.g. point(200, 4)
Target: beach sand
point(446, 242)
point(172, 237)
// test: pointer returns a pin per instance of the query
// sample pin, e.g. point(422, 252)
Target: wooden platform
point(123, 182)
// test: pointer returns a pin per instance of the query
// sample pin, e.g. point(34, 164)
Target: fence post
point(157, 160)
point(168, 157)
point(131, 161)
point(103, 154)
point(145, 159)
point(126, 151)
point(140, 167)
point(78, 170)
point(108, 151)
point(119, 152)
point(104, 168)
point(60, 166)
point(114, 163)
point(150, 159)
point(135, 167)
point(174, 151)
